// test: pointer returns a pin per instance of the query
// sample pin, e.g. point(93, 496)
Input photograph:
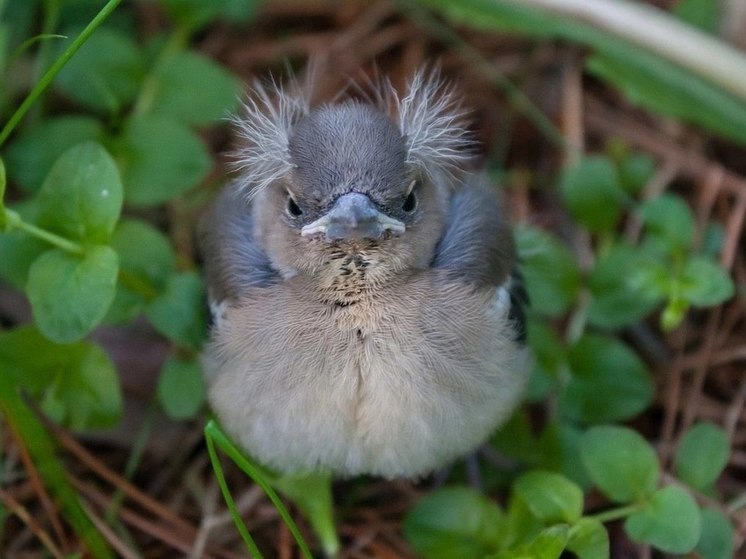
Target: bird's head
point(350, 192)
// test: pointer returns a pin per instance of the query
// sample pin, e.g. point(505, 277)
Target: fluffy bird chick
point(362, 287)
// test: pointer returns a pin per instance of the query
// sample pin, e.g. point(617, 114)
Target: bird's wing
point(233, 260)
point(477, 245)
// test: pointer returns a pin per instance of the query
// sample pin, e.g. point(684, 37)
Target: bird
point(363, 282)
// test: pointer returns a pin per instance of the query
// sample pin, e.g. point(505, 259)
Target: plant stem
point(214, 435)
point(176, 42)
point(15, 221)
point(218, 469)
point(617, 513)
point(50, 74)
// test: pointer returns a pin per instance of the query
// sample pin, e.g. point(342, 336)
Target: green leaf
point(702, 455)
point(550, 357)
point(146, 261)
point(105, 74)
point(160, 159)
point(87, 394)
point(609, 381)
point(144, 252)
point(70, 294)
point(179, 313)
point(645, 78)
point(312, 494)
point(81, 197)
point(181, 388)
point(559, 445)
point(620, 462)
point(515, 438)
point(589, 539)
point(552, 498)
point(30, 358)
point(705, 283)
point(665, 88)
point(670, 521)
point(520, 526)
point(716, 540)
point(635, 171)
point(32, 154)
point(548, 544)
point(618, 300)
point(193, 89)
point(76, 383)
point(670, 221)
point(704, 14)
point(456, 523)
point(30, 432)
point(592, 193)
point(549, 270)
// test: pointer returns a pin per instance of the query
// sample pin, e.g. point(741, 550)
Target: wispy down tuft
point(433, 123)
point(429, 117)
point(264, 128)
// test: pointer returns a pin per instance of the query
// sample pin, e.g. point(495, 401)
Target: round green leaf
point(548, 544)
point(160, 159)
point(559, 446)
point(549, 270)
point(86, 394)
point(704, 283)
point(32, 154)
point(716, 540)
point(670, 521)
point(635, 171)
point(455, 522)
point(702, 455)
point(592, 193)
point(179, 312)
point(181, 388)
point(81, 197)
point(70, 294)
point(552, 498)
point(76, 382)
point(609, 381)
point(617, 300)
point(620, 462)
point(144, 252)
point(193, 89)
point(670, 221)
point(589, 539)
point(146, 260)
point(32, 359)
point(105, 74)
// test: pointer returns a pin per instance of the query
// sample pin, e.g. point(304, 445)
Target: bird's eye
point(293, 208)
point(410, 202)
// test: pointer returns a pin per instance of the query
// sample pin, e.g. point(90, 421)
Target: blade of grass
point(30, 431)
point(654, 30)
point(49, 75)
point(215, 435)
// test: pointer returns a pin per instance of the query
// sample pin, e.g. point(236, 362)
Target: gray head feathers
point(428, 116)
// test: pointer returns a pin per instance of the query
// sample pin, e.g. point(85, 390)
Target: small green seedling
point(311, 494)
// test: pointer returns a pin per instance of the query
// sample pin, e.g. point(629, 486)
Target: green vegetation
point(128, 139)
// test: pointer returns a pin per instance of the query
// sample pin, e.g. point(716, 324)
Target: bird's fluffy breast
point(393, 389)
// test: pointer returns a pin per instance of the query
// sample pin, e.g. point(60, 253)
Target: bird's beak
point(353, 217)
